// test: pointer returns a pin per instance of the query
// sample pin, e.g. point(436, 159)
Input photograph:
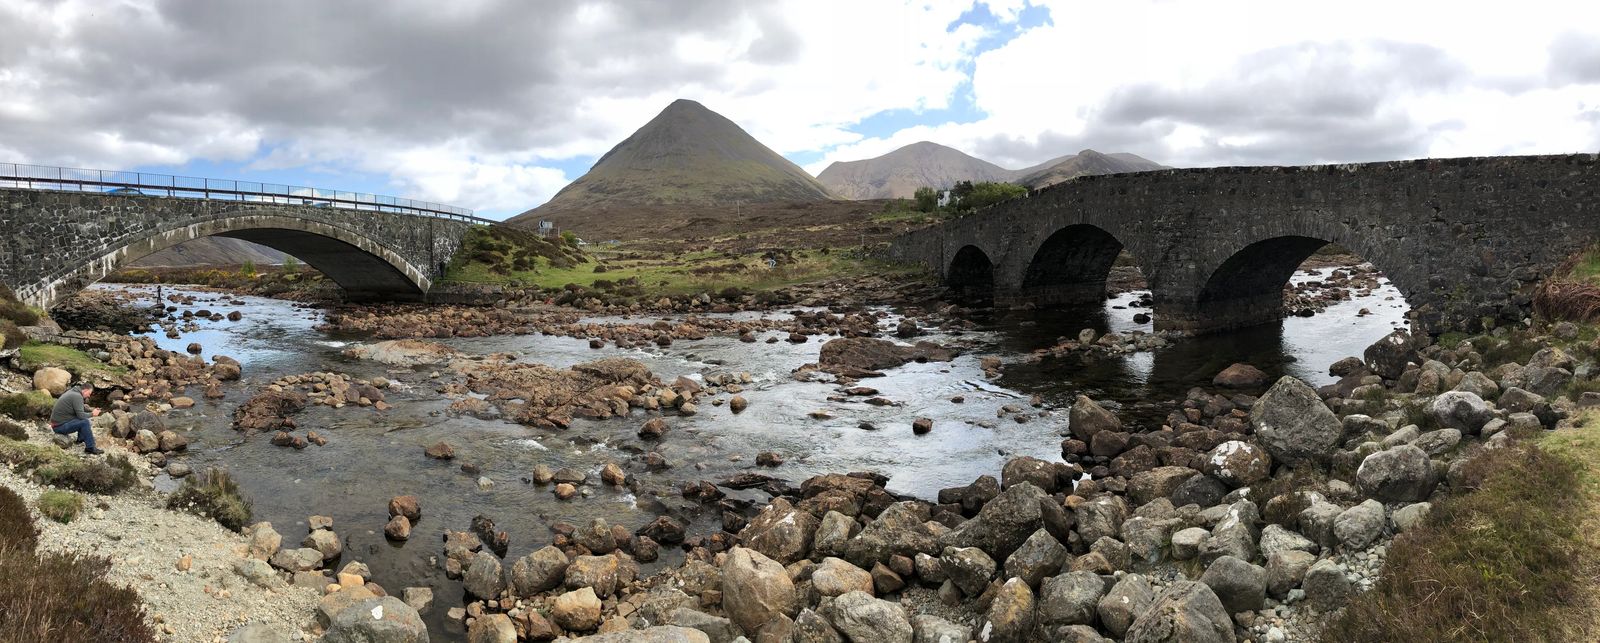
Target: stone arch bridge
point(54, 243)
point(1465, 240)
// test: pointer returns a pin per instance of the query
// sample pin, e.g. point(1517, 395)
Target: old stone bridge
point(1465, 240)
point(54, 243)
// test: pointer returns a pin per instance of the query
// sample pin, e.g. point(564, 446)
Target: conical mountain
point(898, 174)
point(686, 155)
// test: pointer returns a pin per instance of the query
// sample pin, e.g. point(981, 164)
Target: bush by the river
point(215, 495)
point(60, 506)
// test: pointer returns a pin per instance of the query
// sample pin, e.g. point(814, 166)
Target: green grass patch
point(36, 355)
point(215, 495)
point(53, 466)
point(60, 506)
point(26, 406)
point(12, 430)
point(1505, 560)
point(502, 254)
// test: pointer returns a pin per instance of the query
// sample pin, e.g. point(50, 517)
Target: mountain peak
point(686, 155)
point(900, 173)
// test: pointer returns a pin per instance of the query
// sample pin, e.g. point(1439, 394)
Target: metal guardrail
point(64, 179)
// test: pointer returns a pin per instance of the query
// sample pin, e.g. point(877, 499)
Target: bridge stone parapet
point(1464, 240)
point(53, 244)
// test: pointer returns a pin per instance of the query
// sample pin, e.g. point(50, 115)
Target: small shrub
point(28, 456)
point(214, 495)
point(11, 430)
point(11, 336)
point(1497, 564)
point(25, 406)
point(16, 311)
point(60, 506)
point(114, 475)
point(17, 533)
point(65, 597)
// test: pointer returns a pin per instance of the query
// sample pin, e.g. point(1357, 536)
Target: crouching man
point(70, 416)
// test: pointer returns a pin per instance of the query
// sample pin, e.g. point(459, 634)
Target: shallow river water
point(372, 456)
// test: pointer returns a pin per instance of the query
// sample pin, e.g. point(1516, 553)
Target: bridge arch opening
point(970, 278)
point(1084, 265)
point(361, 266)
point(1295, 276)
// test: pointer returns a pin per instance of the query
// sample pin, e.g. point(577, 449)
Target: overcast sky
point(496, 104)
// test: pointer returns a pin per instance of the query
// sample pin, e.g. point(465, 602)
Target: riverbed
point(374, 455)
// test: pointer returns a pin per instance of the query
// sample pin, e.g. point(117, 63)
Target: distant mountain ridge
point(687, 155)
point(898, 174)
point(212, 251)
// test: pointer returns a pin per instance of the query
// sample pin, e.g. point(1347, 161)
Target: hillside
point(212, 251)
point(898, 174)
point(687, 156)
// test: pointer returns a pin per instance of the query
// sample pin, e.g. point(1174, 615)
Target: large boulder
point(968, 567)
point(756, 588)
point(1388, 357)
point(1159, 482)
point(384, 619)
point(1358, 527)
point(864, 618)
point(1129, 598)
point(484, 578)
point(1240, 375)
point(1003, 524)
point(1185, 611)
point(1238, 464)
point(900, 530)
point(51, 380)
point(1088, 418)
point(1011, 615)
point(1398, 474)
point(1040, 556)
point(540, 571)
point(1072, 598)
point(603, 574)
point(781, 532)
point(1462, 411)
point(492, 628)
point(1293, 424)
point(1240, 586)
point(577, 610)
point(835, 576)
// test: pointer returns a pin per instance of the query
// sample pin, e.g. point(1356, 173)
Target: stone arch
point(1246, 287)
point(362, 266)
point(1071, 266)
point(970, 275)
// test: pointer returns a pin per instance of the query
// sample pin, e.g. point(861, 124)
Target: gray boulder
point(1388, 357)
point(1088, 418)
point(1358, 527)
point(864, 618)
point(1129, 598)
point(1185, 611)
point(1041, 555)
point(1011, 615)
point(1070, 599)
point(1003, 524)
point(1241, 586)
point(1327, 588)
point(755, 588)
point(1293, 424)
point(1285, 569)
point(927, 628)
point(484, 578)
point(968, 567)
point(1397, 474)
point(377, 620)
point(1460, 410)
point(540, 571)
point(716, 628)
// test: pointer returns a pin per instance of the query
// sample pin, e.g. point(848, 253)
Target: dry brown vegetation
point(58, 597)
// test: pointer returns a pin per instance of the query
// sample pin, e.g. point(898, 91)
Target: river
point(372, 455)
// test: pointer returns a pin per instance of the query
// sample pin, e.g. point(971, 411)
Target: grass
point(214, 495)
point(58, 597)
point(36, 355)
point(60, 506)
point(11, 430)
point(1513, 558)
point(1572, 291)
point(53, 466)
point(26, 406)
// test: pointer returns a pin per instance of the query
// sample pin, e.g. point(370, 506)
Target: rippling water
point(372, 456)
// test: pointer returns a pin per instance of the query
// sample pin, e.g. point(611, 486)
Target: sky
point(496, 104)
